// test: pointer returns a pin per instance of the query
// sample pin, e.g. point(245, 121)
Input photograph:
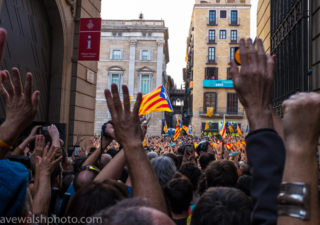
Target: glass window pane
point(145, 55)
point(145, 84)
point(116, 54)
point(116, 79)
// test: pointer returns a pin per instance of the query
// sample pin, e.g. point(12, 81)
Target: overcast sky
point(177, 16)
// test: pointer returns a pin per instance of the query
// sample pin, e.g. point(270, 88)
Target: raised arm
point(301, 132)
point(128, 132)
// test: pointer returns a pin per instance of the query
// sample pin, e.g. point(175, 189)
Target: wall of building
point(263, 23)
point(200, 35)
point(131, 42)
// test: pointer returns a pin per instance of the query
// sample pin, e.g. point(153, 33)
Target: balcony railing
point(233, 41)
point(210, 61)
point(219, 112)
point(212, 23)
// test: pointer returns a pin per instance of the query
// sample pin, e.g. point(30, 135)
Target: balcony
point(234, 22)
point(211, 62)
point(212, 41)
point(233, 41)
point(212, 23)
point(219, 112)
point(218, 84)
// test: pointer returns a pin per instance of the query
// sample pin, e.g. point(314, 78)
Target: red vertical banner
point(89, 39)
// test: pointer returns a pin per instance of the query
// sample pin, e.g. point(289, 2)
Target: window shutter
point(216, 73)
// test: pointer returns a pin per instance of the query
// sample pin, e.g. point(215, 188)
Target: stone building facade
point(43, 39)
point(263, 23)
point(215, 30)
point(135, 53)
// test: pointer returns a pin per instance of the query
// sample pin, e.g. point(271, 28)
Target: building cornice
point(224, 6)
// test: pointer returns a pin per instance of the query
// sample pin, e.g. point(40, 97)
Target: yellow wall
point(199, 21)
point(263, 23)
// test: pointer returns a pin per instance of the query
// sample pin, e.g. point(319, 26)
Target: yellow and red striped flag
point(206, 127)
point(155, 101)
point(186, 129)
point(223, 130)
point(178, 130)
point(165, 128)
point(239, 130)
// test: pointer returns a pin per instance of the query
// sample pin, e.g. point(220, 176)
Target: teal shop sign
point(217, 83)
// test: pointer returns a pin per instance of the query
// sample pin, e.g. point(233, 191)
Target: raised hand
point(253, 83)
point(48, 161)
point(125, 122)
point(54, 134)
point(40, 143)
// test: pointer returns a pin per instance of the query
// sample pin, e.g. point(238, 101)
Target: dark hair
point(125, 212)
point(174, 158)
point(202, 147)
point(206, 159)
point(112, 152)
point(192, 172)
point(244, 184)
point(103, 129)
point(221, 174)
point(179, 193)
point(77, 166)
point(95, 197)
point(222, 206)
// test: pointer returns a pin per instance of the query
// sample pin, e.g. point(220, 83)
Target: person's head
point(107, 129)
point(164, 168)
point(104, 160)
point(206, 159)
point(174, 158)
point(95, 197)
point(152, 155)
point(222, 206)
point(202, 147)
point(192, 172)
point(85, 177)
point(132, 212)
point(77, 166)
point(112, 152)
point(221, 174)
point(244, 184)
point(179, 193)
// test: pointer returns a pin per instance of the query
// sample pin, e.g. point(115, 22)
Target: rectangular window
point(234, 36)
point(223, 14)
point(145, 83)
point(232, 51)
point(209, 100)
point(212, 36)
point(212, 17)
point(115, 79)
point(223, 34)
point(234, 17)
point(116, 54)
point(212, 55)
point(145, 55)
point(228, 74)
point(211, 73)
point(232, 103)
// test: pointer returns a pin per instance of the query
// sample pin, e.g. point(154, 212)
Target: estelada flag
point(231, 129)
point(165, 128)
point(155, 101)
point(207, 127)
point(223, 130)
point(186, 129)
point(239, 130)
point(178, 130)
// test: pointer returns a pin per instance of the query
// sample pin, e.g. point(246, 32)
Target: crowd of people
point(268, 177)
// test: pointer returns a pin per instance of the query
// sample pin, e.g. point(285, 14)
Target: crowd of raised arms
point(269, 176)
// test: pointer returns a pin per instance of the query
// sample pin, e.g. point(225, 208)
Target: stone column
point(159, 63)
point(132, 59)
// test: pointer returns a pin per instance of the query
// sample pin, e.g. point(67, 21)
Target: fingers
point(45, 150)
point(3, 37)
point(270, 67)
point(243, 53)
point(126, 98)
point(110, 103)
point(234, 71)
point(137, 106)
point(17, 81)
point(28, 87)
point(7, 82)
point(261, 54)
point(35, 100)
point(116, 98)
point(252, 53)
point(57, 160)
point(3, 91)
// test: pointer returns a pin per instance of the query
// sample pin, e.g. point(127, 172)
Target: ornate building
point(133, 52)
point(43, 39)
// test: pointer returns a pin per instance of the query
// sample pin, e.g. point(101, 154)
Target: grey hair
point(152, 155)
point(164, 168)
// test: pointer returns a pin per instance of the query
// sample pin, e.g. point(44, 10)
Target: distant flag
point(165, 128)
point(178, 130)
point(190, 130)
point(206, 127)
point(247, 130)
point(186, 129)
point(231, 129)
point(223, 130)
point(210, 111)
point(145, 141)
point(155, 101)
point(239, 130)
